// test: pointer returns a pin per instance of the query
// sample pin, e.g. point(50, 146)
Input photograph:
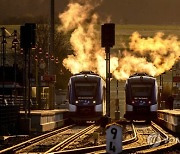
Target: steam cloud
point(151, 55)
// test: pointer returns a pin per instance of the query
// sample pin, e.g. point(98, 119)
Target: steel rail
point(143, 147)
point(163, 134)
point(126, 150)
point(99, 147)
point(89, 131)
point(68, 140)
point(33, 140)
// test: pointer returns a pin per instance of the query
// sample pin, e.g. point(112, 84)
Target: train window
point(85, 89)
point(141, 90)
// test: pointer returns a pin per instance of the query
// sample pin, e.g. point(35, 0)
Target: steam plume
point(150, 55)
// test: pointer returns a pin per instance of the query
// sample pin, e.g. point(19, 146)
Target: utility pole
point(52, 31)
point(51, 67)
point(3, 57)
point(15, 42)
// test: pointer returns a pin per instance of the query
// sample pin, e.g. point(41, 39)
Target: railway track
point(97, 149)
point(52, 141)
point(143, 137)
point(71, 139)
point(33, 141)
point(149, 136)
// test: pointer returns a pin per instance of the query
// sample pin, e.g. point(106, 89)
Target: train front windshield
point(83, 90)
point(141, 90)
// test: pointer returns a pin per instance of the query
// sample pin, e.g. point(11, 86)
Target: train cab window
point(85, 89)
point(141, 90)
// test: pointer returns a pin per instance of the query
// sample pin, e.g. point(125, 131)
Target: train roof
point(141, 77)
point(86, 72)
point(85, 75)
point(140, 74)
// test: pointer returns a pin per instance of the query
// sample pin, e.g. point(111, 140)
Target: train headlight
point(76, 102)
point(94, 102)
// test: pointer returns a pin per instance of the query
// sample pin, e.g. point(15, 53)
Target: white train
point(86, 94)
point(141, 93)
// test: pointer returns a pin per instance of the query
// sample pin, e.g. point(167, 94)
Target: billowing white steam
point(151, 55)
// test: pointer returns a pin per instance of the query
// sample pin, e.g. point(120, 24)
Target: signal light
point(27, 35)
point(57, 60)
point(40, 50)
point(36, 57)
point(108, 35)
point(47, 55)
point(52, 57)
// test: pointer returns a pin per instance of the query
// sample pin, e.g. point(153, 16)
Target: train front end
point(85, 97)
point(141, 97)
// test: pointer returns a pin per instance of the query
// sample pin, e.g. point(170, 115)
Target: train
point(141, 93)
point(87, 97)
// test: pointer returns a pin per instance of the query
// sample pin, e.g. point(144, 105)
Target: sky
point(120, 11)
point(153, 55)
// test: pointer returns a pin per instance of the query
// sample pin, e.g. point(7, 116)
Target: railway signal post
point(108, 41)
point(27, 42)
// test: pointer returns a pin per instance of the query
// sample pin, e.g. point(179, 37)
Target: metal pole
point(117, 100)
point(3, 57)
point(38, 83)
point(107, 49)
point(14, 45)
point(162, 83)
point(160, 90)
point(51, 35)
point(117, 89)
point(25, 81)
point(172, 82)
point(29, 82)
point(15, 73)
point(51, 67)
point(1, 51)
